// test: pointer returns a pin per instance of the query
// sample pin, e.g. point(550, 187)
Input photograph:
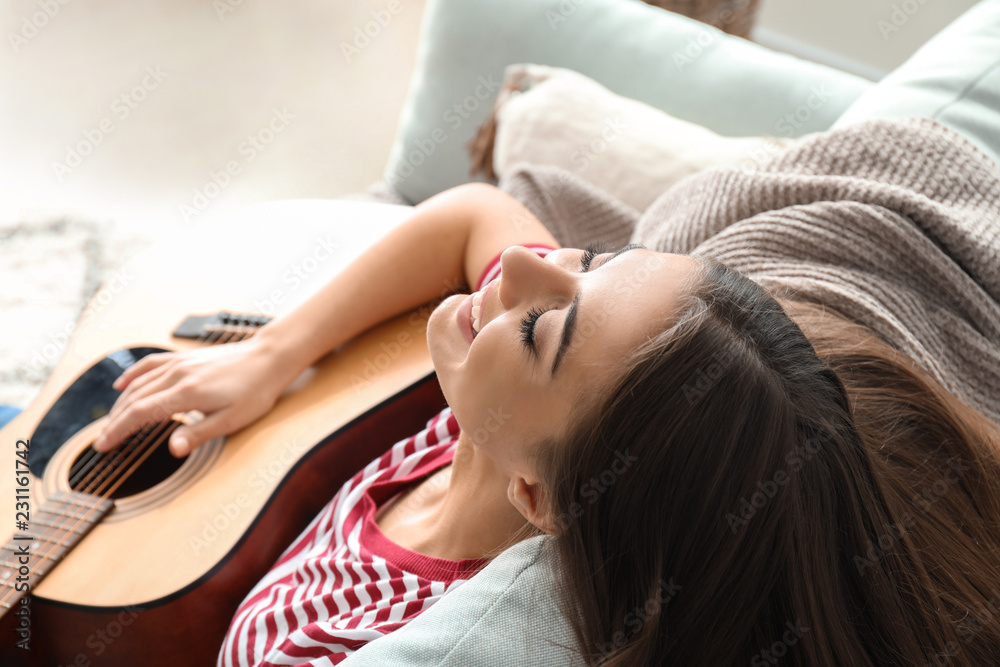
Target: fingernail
point(100, 443)
point(117, 383)
point(181, 444)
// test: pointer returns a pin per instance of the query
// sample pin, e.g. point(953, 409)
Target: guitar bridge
point(222, 327)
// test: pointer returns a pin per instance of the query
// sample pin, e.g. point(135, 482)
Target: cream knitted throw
point(896, 224)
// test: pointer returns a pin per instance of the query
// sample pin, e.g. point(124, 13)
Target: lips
point(479, 307)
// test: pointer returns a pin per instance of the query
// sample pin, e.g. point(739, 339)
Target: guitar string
point(228, 334)
point(133, 447)
point(95, 458)
point(240, 331)
point(45, 536)
point(136, 445)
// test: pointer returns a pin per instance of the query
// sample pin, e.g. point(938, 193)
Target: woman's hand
point(232, 384)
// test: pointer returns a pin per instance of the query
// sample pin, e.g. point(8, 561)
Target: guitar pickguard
point(88, 399)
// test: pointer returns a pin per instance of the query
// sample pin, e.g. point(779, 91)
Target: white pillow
point(631, 150)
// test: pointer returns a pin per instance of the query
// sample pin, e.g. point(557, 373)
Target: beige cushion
point(559, 117)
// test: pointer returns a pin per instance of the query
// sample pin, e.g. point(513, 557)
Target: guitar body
point(158, 578)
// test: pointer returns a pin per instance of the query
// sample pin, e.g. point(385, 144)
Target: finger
point(140, 413)
point(145, 385)
point(185, 439)
point(147, 375)
point(147, 363)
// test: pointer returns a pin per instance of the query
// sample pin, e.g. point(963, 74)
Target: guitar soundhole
point(140, 463)
point(89, 398)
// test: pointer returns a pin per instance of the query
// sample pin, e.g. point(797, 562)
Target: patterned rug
point(50, 270)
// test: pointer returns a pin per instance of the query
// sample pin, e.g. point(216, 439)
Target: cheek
point(497, 407)
point(461, 374)
point(442, 348)
point(484, 390)
point(485, 385)
point(435, 332)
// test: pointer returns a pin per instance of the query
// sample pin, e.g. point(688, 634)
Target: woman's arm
point(445, 245)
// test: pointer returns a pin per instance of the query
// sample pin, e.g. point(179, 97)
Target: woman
point(793, 461)
point(817, 497)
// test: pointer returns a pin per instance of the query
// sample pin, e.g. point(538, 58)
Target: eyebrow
point(569, 323)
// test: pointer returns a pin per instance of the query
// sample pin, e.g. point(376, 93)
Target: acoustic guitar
point(134, 557)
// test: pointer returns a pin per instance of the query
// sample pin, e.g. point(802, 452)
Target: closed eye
point(590, 252)
point(528, 322)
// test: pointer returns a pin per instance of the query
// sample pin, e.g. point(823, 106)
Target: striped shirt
point(342, 582)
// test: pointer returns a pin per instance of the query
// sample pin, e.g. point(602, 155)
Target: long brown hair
point(770, 482)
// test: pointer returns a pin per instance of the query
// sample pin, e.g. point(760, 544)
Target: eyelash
point(589, 253)
point(528, 323)
point(528, 328)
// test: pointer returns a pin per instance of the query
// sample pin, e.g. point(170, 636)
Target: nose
point(525, 278)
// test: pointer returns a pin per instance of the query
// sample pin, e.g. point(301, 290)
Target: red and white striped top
point(342, 582)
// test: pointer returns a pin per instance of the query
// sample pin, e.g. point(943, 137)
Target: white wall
point(867, 37)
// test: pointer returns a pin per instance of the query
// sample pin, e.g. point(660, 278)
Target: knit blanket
point(894, 223)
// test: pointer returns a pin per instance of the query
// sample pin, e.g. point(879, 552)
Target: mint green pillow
point(954, 79)
point(505, 615)
point(688, 69)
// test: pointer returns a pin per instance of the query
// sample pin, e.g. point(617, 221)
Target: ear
point(527, 496)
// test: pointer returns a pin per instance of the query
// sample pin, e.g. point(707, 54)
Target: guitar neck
point(58, 525)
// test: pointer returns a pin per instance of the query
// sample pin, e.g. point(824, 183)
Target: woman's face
point(551, 332)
